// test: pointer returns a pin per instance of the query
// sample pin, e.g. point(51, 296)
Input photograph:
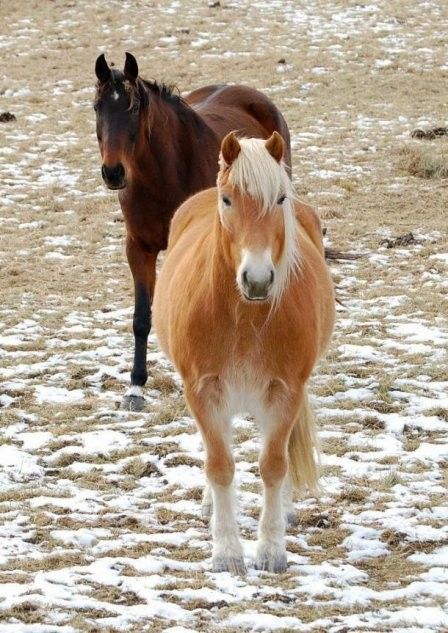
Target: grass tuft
point(425, 161)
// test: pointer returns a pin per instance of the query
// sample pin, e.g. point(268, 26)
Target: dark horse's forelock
point(135, 90)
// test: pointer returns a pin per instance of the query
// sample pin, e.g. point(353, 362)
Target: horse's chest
point(147, 223)
point(245, 389)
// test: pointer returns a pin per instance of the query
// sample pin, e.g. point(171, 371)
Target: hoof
point(271, 559)
point(133, 403)
point(234, 565)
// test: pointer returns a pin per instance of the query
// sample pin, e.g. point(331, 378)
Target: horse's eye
point(281, 200)
point(226, 201)
point(95, 107)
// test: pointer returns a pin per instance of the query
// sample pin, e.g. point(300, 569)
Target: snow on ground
point(101, 528)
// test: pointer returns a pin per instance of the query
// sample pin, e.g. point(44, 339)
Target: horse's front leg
point(143, 268)
point(215, 428)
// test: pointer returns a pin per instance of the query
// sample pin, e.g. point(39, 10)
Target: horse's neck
point(181, 149)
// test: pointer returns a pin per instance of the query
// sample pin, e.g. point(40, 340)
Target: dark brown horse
point(158, 149)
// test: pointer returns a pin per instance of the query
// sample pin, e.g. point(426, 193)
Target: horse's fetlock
point(139, 377)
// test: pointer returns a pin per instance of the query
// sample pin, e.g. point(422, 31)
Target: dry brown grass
point(26, 612)
point(24, 493)
point(169, 410)
point(9, 577)
point(353, 495)
point(80, 623)
point(331, 537)
point(115, 595)
point(390, 569)
point(401, 187)
point(373, 423)
point(46, 563)
point(139, 468)
point(425, 160)
point(183, 460)
point(162, 382)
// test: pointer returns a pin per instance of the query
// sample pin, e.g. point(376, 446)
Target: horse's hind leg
point(219, 469)
point(288, 503)
point(271, 548)
point(143, 268)
point(207, 501)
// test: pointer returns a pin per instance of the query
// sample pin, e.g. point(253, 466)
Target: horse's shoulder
point(310, 222)
point(194, 209)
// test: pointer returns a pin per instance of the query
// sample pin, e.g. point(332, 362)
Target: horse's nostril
point(113, 175)
point(272, 277)
point(245, 277)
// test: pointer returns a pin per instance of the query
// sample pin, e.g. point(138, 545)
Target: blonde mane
point(256, 173)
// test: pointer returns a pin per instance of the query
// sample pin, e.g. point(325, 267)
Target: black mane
point(168, 92)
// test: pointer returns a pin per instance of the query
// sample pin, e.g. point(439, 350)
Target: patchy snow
point(57, 394)
point(100, 508)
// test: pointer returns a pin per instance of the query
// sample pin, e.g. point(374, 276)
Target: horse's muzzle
point(114, 177)
point(257, 289)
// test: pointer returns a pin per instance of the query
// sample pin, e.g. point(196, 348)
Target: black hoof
point(133, 403)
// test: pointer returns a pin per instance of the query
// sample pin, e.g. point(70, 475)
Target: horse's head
point(117, 105)
point(256, 209)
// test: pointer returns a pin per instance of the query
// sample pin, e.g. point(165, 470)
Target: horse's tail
point(303, 466)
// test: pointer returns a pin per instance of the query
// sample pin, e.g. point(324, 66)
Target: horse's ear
point(102, 70)
point(131, 68)
point(230, 148)
point(275, 146)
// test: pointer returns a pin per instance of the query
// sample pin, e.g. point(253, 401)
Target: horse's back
point(198, 97)
point(225, 108)
point(309, 220)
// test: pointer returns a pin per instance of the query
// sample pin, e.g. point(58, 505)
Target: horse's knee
point(220, 468)
point(273, 466)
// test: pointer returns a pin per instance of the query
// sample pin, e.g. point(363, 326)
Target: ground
point(100, 509)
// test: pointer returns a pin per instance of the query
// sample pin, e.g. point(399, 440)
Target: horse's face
point(255, 242)
point(255, 235)
point(117, 109)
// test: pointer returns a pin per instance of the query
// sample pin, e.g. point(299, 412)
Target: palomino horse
point(243, 307)
point(158, 149)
